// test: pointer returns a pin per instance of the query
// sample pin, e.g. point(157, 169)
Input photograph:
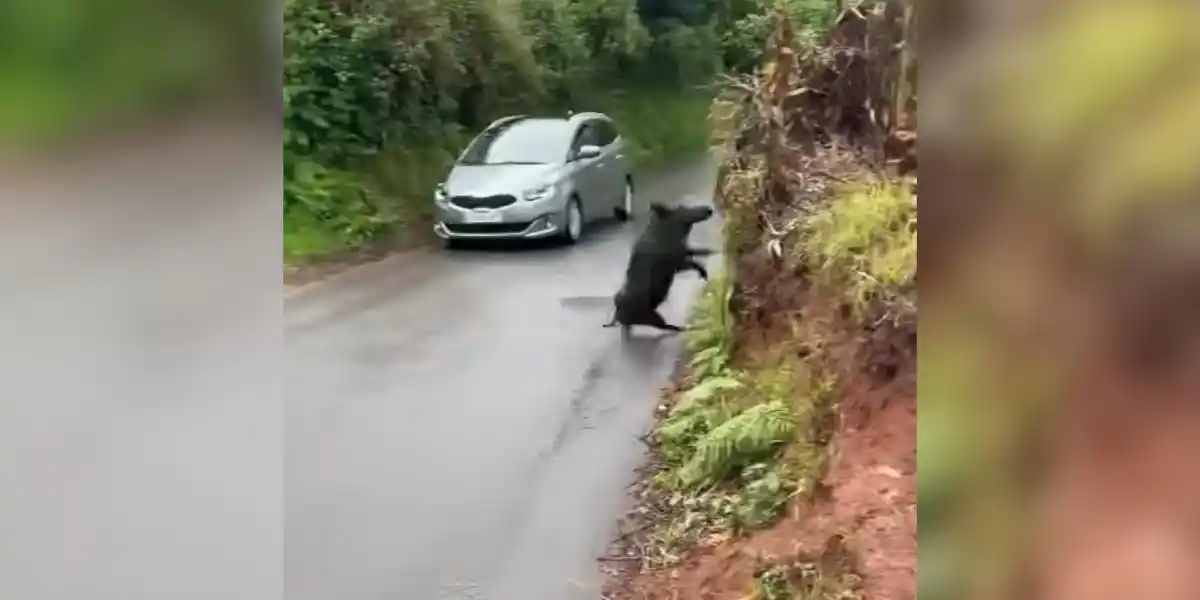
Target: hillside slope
point(786, 457)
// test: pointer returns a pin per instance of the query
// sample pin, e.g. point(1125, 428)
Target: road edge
point(291, 292)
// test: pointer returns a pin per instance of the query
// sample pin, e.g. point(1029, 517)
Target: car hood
point(487, 180)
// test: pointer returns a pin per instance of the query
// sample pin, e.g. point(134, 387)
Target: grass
point(328, 210)
point(306, 236)
point(864, 242)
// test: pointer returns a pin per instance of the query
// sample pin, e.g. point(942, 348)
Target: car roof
point(570, 119)
point(587, 115)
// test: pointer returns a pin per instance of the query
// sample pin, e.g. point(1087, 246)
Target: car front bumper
point(523, 220)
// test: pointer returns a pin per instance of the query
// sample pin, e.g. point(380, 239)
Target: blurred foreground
point(140, 326)
point(1059, 364)
point(141, 432)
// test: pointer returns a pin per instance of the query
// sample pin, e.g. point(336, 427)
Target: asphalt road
point(458, 424)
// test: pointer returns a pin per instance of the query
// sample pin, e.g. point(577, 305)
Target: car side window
point(606, 132)
point(586, 135)
point(589, 135)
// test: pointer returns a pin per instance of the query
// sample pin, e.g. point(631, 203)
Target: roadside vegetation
point(785, 455)
point(380, 95)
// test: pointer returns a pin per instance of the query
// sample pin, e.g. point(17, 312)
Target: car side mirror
point(586, 152)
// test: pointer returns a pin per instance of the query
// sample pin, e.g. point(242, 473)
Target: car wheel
point(625, 212)
point(574, 223)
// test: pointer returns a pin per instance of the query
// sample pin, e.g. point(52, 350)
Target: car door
point(611, 168)
point(586, 171)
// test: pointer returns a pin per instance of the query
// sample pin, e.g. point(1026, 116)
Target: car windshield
point(524, 142)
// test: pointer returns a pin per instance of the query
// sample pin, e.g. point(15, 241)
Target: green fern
point(680, 433)
point(711, 334)
point(697, 412)
point(705, 391)
point(750, 436)
point(766, 490)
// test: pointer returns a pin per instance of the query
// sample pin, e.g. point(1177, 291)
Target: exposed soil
point(810, 126)
point(1118, 511)
point(1121, 517)
point(867, 505)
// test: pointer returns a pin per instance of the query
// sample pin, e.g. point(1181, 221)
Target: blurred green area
point(70, 66)
point(1087, 125)
point(381, 95)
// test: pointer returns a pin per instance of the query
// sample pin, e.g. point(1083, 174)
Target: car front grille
point(488, 228)
point(472, 202)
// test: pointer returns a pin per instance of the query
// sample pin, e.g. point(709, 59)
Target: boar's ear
point(660, 209)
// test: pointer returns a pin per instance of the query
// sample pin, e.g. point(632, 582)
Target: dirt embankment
point(786, 457)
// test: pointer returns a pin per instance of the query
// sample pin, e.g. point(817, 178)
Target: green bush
point(328, 209)
point(381, 95)
point(745, 25)
point(660, 123)
point(407, 173)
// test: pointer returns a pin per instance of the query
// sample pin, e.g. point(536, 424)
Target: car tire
point(625, 211)
point(573, 221)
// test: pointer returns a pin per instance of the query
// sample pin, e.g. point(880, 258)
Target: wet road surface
point(458, 424)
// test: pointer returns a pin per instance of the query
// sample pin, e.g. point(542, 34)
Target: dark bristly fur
point(658, 255)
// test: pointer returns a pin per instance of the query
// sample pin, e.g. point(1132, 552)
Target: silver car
point(528, 178)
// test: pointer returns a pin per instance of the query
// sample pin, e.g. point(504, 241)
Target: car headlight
point(540, 192)
point(439, 193)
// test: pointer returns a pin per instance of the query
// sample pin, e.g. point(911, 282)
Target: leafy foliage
point(750, 435)
point(317, 190)
point(739, 441)
point(745, 26)
point(562, 53)
point(380, 94)
point(766, 489)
